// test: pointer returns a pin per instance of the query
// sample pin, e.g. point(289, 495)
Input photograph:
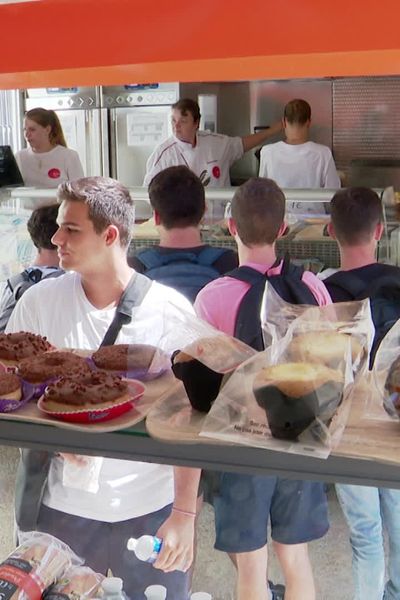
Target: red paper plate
point(97, 415)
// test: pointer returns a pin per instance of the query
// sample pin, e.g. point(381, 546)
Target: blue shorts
point(244, 504)
point(103, 546)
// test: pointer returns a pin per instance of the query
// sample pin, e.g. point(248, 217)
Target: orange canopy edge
point(84, 42)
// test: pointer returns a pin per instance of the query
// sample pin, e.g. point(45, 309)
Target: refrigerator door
point(82, 131)
point(136, 131)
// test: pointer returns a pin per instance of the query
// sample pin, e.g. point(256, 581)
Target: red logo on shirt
point(216, 171)
point(54, 173)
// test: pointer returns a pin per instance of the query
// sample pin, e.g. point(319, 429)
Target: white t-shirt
point(59, 309)
point(213, 153)
point(49, 169)
point(307, 165)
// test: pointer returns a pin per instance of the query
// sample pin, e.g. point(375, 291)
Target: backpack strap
point(288, 284)
point(133, 296)
point(349, 283)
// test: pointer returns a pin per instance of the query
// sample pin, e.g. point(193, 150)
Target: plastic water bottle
point(146, 548)
point(155, 592)
point(112, 588)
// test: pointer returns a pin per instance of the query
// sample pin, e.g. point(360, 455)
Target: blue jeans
point(367, 511)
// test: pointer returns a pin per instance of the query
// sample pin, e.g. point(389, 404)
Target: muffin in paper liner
point(28, 394)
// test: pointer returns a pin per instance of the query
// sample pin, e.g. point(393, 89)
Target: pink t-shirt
point(219, 301)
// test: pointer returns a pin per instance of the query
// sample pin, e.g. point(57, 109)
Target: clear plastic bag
point(197, 338)
point(78, 583)
point(383, 398)
point(295, 396)
point(353, 320)
point(35, 565)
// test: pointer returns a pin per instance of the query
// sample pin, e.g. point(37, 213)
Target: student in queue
point(357, 226)
point(42, 225)
point(47, 161)
point(128, 498)
point(181, 260)
point(245, 503)
point(298, 162)
point(209, 155)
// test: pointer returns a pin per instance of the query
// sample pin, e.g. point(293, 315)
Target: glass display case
point(366, 457)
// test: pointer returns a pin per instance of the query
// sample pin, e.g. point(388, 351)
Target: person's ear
point(378, 231)
point(282, 230)
point(157, 220)
point(232, 227)
point(331, 230)
point(112, 234)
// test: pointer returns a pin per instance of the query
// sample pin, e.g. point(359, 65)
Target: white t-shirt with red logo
point(213, 153)
point(49, 169)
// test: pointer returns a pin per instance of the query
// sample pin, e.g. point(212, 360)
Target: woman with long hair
point(46, 161)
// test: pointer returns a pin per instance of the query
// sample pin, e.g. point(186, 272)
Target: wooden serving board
point(154, 389)
point(172, 418)
point(376, 437)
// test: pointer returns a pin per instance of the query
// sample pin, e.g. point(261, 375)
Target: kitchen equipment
point(139, 118)
point(83, 121)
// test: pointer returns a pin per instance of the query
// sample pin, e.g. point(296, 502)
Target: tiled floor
point(331, 557)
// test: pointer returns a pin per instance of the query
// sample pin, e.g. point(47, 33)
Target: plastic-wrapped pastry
point(294, 394)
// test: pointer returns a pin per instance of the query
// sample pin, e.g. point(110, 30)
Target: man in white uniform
point(95, 505)
point(297, 162)
point(208, 155)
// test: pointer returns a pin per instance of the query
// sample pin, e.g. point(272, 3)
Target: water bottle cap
point(155, 592)
point(112, 585)
point(132, 543)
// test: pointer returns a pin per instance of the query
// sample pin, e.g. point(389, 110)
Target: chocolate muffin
point(294, 394)
point(201, 383)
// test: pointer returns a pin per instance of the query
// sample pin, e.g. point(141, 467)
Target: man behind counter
point(297, 162)
point(209, 155)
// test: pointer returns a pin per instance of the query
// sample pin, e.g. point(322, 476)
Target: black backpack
point(18, 284)
point(187, 272)
point(384, 295)
point(288, 284)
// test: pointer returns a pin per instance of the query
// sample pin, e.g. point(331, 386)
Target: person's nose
point(57, 238)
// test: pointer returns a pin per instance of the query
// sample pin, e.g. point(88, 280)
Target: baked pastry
point(78, 583)
point(325, 347)
point(123, 358)
point(22, 344)
point(85, 391)
point(48, 365)
point(10, 386)
point(33, 567)
point(294, 394)
point(392, 388)
point(201, 383)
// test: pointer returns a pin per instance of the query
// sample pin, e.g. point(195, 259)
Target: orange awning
point(64, 42)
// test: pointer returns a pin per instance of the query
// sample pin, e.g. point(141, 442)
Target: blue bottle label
point(157, 543)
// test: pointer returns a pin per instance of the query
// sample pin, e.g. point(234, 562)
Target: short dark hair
point(177, 195)
point(109, 203)
point(258, 208)
point(42, 225)
point(297, 111)
point(187, 105)
point(355, 212)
